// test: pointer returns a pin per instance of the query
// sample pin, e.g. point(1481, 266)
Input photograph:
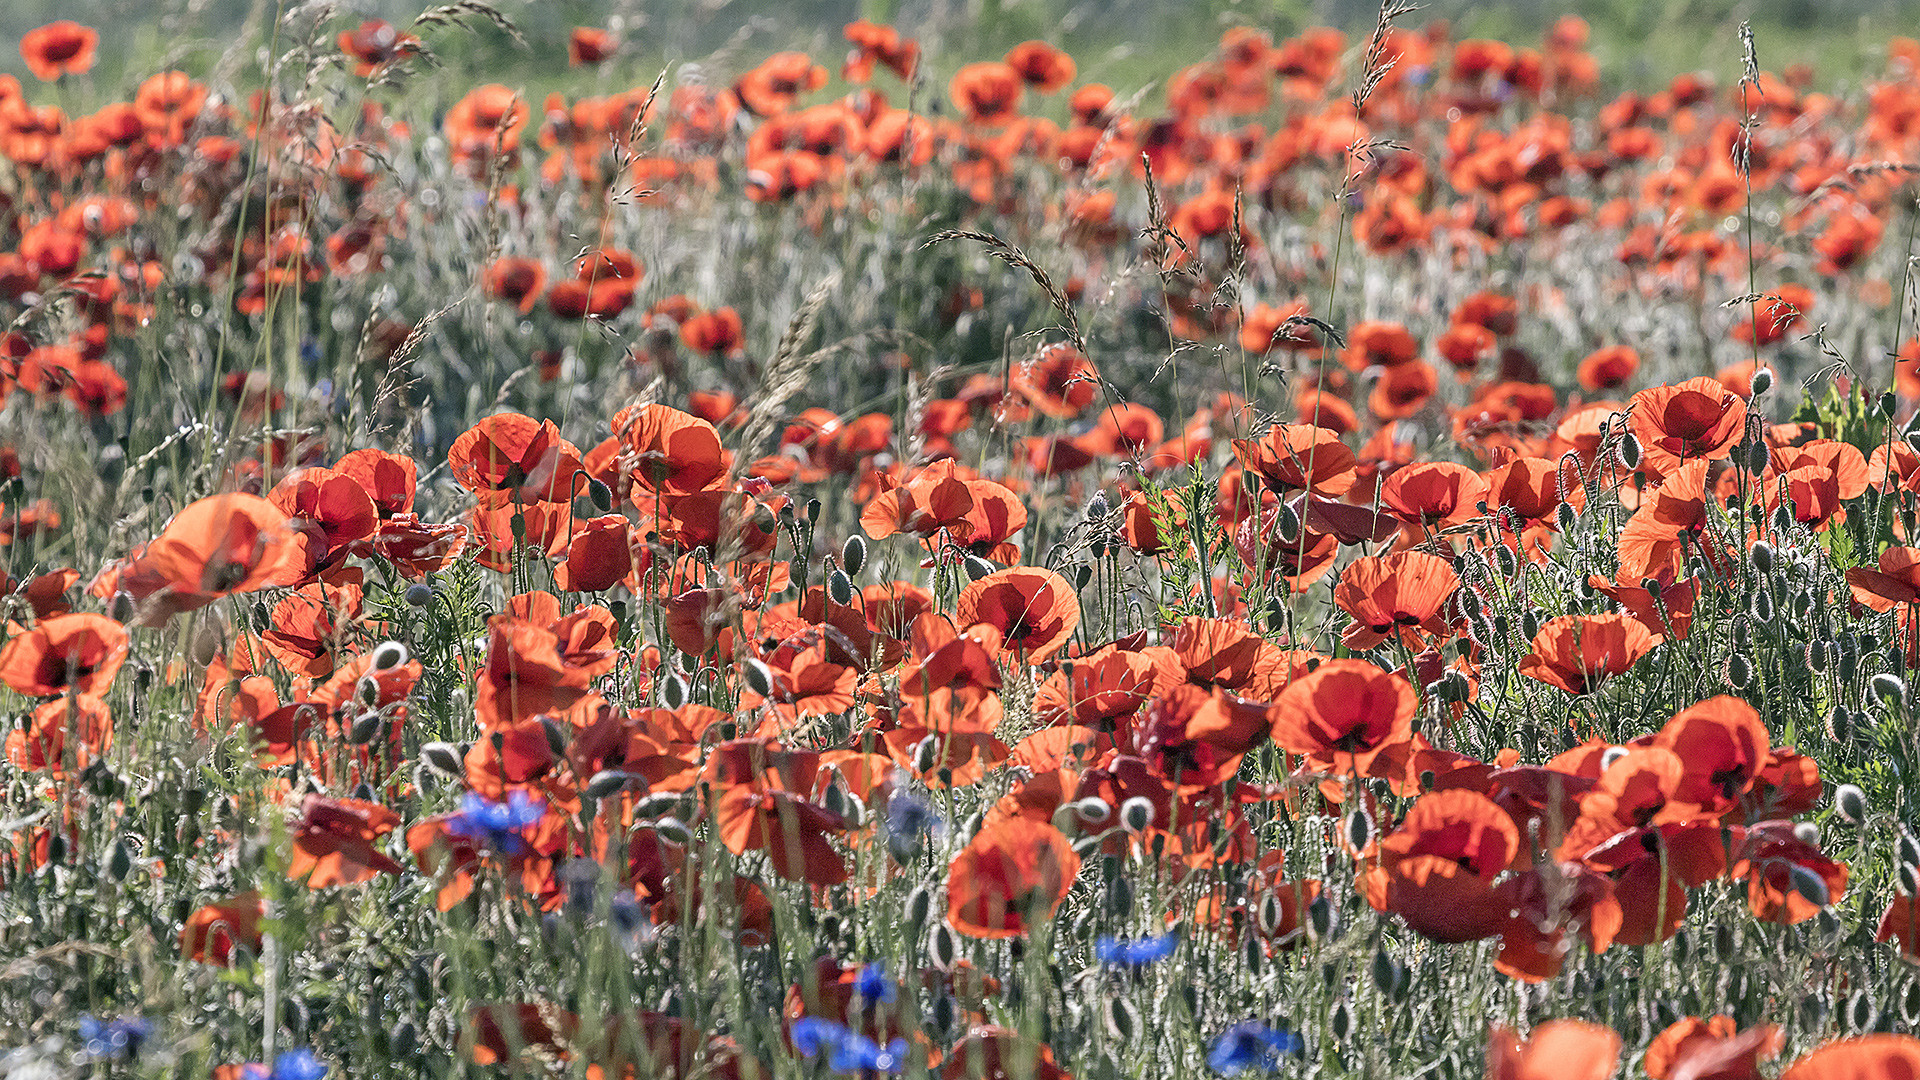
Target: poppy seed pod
point(853, 554)
point(1082, 574)
point(1136, 814)
point(389, 655)
point(1851, 803)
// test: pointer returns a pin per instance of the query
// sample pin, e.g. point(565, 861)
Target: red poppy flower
point(333, 842)
point(1404, 592)
point(1344, 715)
point(1041, 66)
point(933, 499)
point(62, 736)
point(1035, 610)
point(214, 930)
point(513, 459)
point(59, 48)
point(1575, 652)
point(1608, 367)
point(1864, 1057)
point(1009, 877)
point(80, 653)
point(373, 43)
point(674, 452)
point(986, 93)
point(1723, 744)
point(1698, 418)
point(588, 45)
point(1434, 494)
point(792, 831)
point(1712, 1049)
point(1437, 870)
point(1557, 1050)
point(516, 280)
point(1295, 457)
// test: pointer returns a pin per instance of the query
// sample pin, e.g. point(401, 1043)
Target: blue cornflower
point(857, 1053)
point(909, 818)
point(847, 1051)
point(1122, 952)
point(117, 1038)
point(498, 824)
point(872, 983)
point(1250, 1044)
point(291, 1065)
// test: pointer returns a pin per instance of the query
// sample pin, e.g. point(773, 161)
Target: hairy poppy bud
point(1136, 814)
point(813, 511)
point(607, 781)
point(1319, 917)
point(759, 677)
point(1097, 506)
point(1610, 755)
point(1120, 1015)
point(556, 735)
point(419, 594)
point(1359, 830)
point(1092, 810)
point(365, 727)
point(1762, 381)
point(1891, 689)
point(673, 831)
point(1851, 803)
point(840, 588)
point(1762, 555)
point(1342, 1020)
point(926, 754)
point(1082, 574)
point(1566, 517)
point(1529, 625)
point(944, 947)
point(660, 804)
point(977, 567)
point(1630, 452)
point(1909, 849)
point(389, 655)
point(442, 757)
point(1739, 671)
point(853, 554)
point(919, 905)
point(601, 494)
point(1287, 525)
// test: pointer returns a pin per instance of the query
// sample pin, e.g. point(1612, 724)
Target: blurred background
point(1126, 43)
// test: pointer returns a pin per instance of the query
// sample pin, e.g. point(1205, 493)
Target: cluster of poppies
point(677, 691)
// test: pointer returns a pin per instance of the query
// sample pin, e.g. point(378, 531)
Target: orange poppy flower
point(1723, 744)
point(1295, 457)
point(373, 43)
point(1712, 1049)
point(1696, 419)
point(486, 121)
point(512, 459)
point(932, 499)
point(1864, 1057)
point(1434, 494)
point(59, 48)
point(330, 509)
point(588, 45)
point(1437, 870)
point(525, 674)
point(1008, 878)
point(674, 452)
point(986, 93)
point(1671, 518)
point(1901, 923)
point(1404, 592)
point(518, 281)
point(1041, 66)
point(1557, 1050)
point(65, 734)
point(333, 842)
point(214, 930)
point(1099, 691)
point(1605, 368)
point(1344, 715)
point(792, 831)
point(1034, 610)
point(1576, 652)
point(714, 332)
point(78, 653)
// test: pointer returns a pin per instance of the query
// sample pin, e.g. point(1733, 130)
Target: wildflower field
point(1372, 554)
